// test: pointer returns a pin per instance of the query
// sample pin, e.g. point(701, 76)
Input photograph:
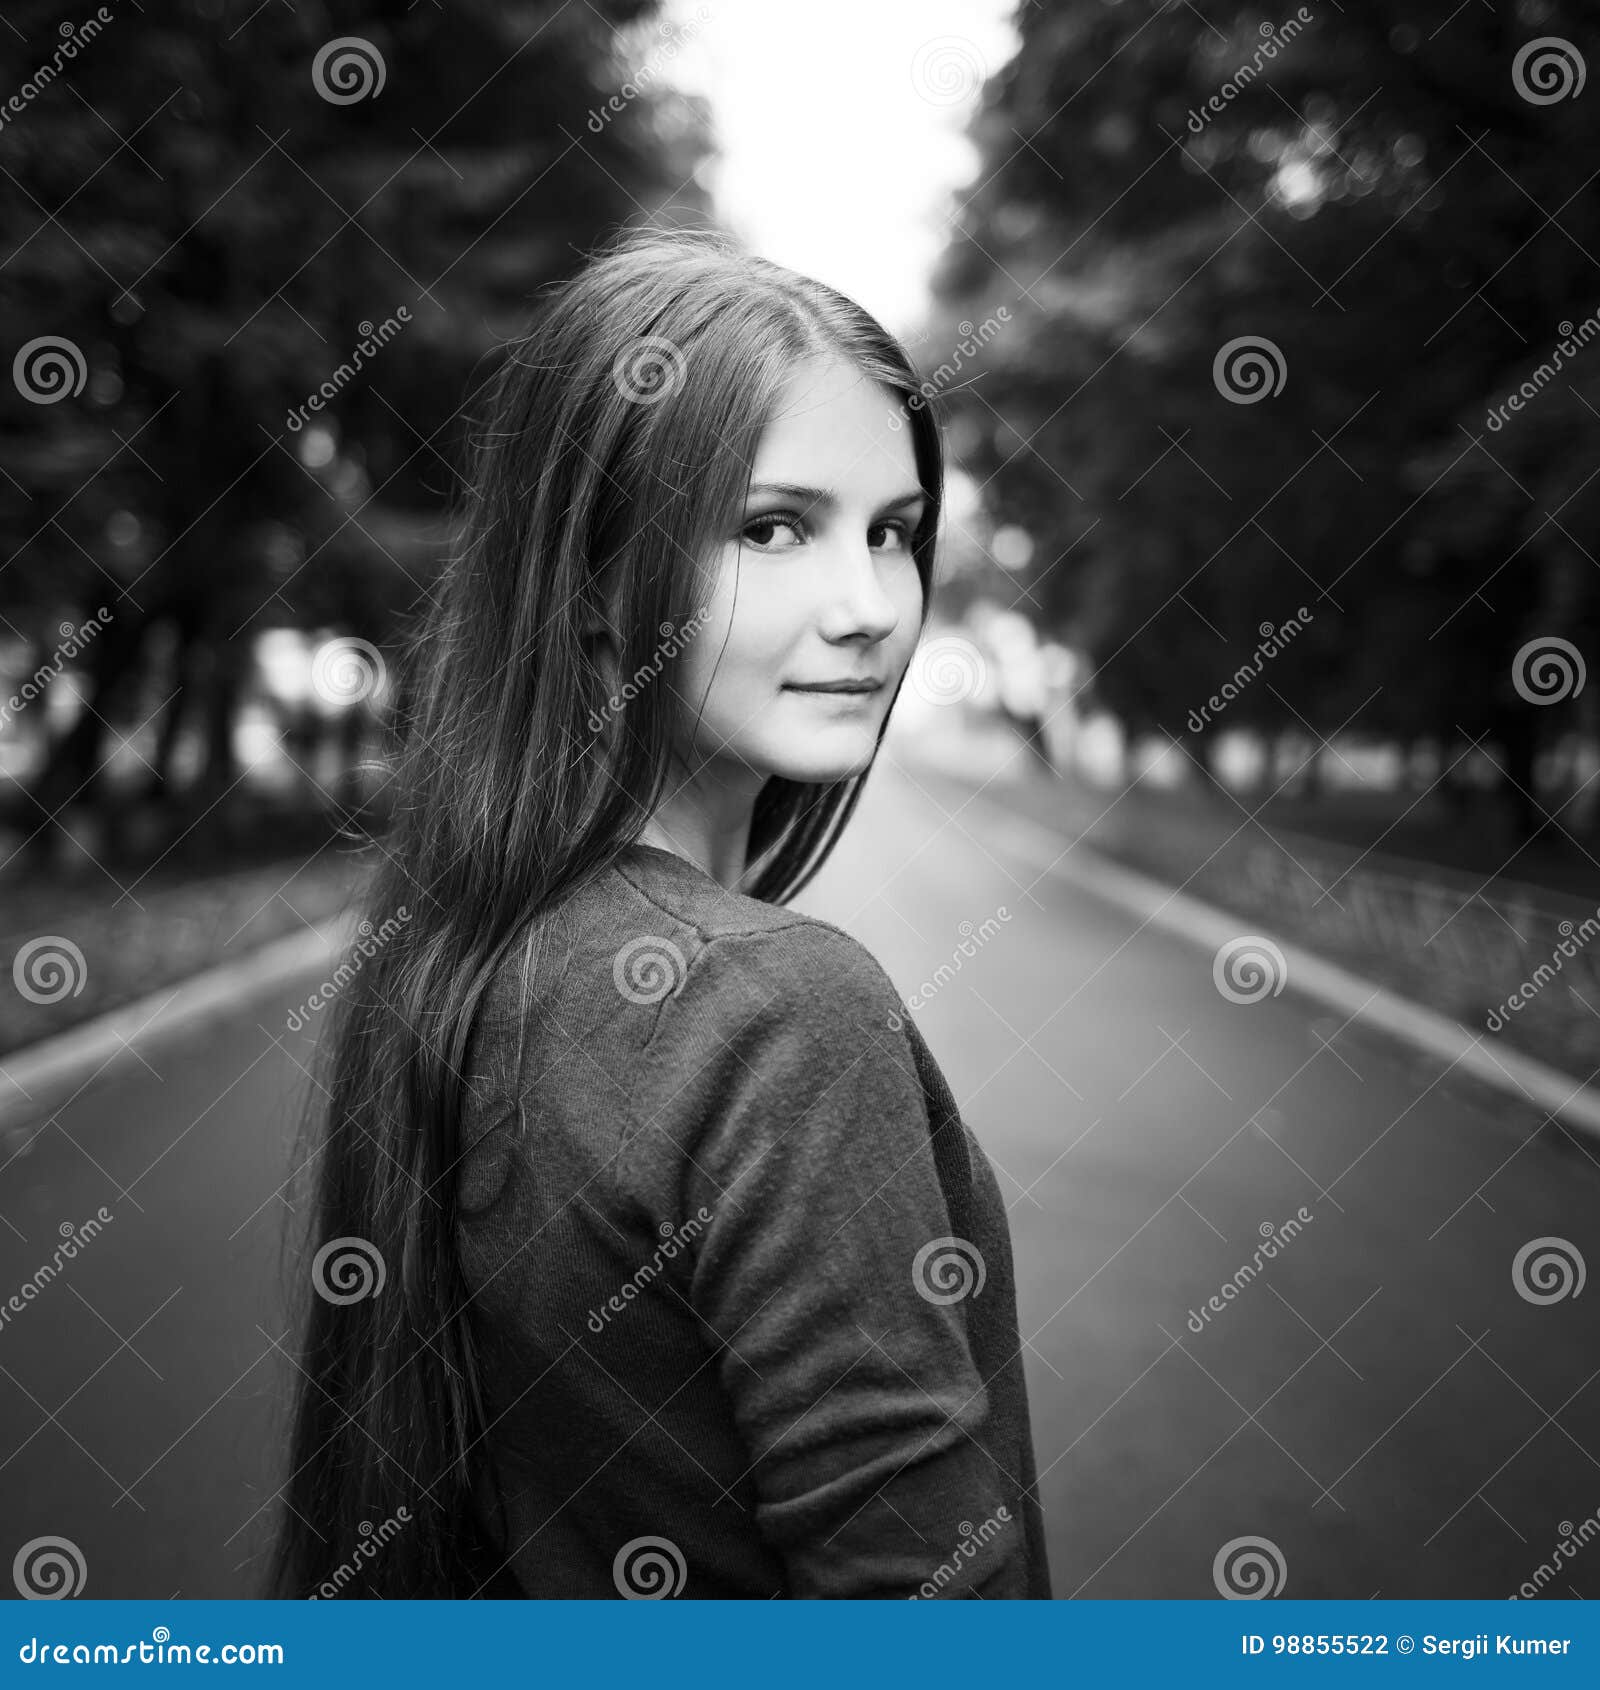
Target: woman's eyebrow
point(823, 496)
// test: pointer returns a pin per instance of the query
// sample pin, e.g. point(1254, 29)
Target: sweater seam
point(637, 1123)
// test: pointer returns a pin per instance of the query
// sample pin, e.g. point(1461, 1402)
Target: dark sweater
point(708, 1164)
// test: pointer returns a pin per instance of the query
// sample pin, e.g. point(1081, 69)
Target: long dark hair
point(615, 455)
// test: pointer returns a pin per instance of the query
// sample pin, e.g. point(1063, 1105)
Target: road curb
point(39, 1078)
point(1524, 1077)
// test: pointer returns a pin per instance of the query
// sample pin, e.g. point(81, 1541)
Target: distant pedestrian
point(1022, 681)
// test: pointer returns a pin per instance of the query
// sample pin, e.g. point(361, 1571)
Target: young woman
point(650, 1254)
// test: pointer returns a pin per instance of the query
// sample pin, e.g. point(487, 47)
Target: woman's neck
point(715, 837)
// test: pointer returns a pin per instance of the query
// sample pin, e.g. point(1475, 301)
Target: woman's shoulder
point(758, 954)
point(763, 1025)
point(655, 944)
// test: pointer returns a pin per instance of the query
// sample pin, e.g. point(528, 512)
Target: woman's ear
point(601, 618)
point(603, 647)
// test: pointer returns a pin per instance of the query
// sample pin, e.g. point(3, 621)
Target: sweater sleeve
point(828, 1282)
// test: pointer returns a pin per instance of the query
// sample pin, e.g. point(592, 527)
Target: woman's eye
point(759, 532)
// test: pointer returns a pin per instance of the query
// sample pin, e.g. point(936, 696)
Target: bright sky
point(840, 128)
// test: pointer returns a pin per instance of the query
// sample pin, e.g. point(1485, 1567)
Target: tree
point(1265, 283)
point(260, 258)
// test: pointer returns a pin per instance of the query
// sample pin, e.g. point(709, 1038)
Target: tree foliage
point(1388, 212)
point(258, 261)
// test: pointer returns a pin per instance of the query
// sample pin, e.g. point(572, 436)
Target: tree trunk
point(73, 768)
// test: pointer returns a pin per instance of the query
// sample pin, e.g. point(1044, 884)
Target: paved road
point(1379, 1402)
point(141, 1393)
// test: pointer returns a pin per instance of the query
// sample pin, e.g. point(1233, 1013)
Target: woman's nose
point(857, 600)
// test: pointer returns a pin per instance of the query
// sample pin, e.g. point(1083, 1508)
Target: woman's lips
point(841, 689)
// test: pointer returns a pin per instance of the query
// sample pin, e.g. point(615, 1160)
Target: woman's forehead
point(835, 427)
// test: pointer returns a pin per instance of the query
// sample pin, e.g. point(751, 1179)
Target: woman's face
point(817, 588)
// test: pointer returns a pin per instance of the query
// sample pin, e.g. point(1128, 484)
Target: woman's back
point(740, 1278)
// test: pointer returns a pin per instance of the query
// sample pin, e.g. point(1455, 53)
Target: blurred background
point(1269, 604)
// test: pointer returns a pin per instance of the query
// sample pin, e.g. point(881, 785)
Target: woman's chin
point(822, 765)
